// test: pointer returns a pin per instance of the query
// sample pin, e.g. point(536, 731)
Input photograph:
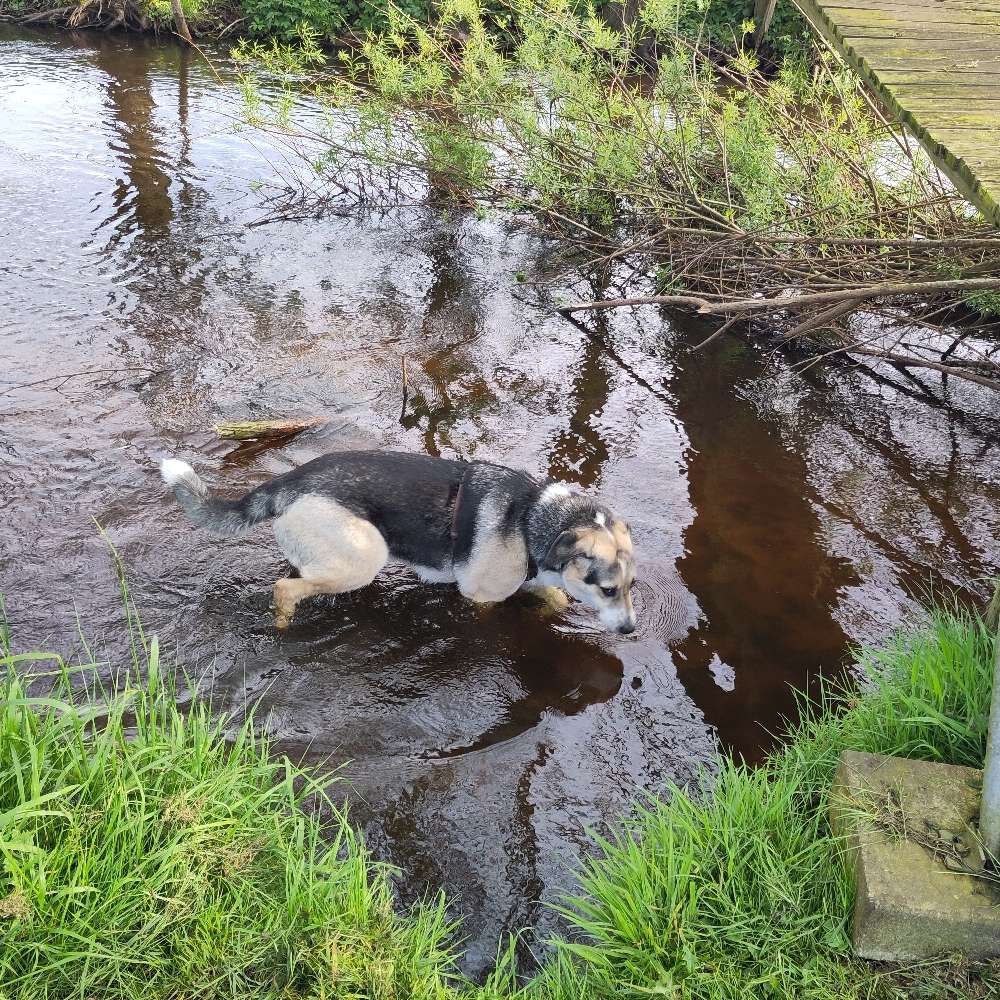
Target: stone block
point(910, 830)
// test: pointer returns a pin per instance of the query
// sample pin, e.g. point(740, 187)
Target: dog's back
point(408, 497)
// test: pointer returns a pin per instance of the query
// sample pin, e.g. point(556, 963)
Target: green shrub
point(285, 19)
point(721, 23)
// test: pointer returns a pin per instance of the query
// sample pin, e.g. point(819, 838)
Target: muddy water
point(777, 516)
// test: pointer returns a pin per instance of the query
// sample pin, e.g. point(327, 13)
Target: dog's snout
point(626, 628)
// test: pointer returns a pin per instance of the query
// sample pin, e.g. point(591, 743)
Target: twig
point(718, 333)
point(406, 390)
point(907, 361)
point(62, 379)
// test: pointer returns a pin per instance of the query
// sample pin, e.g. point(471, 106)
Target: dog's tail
point(223, 517)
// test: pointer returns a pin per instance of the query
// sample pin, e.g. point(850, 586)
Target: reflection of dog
point(490, 529)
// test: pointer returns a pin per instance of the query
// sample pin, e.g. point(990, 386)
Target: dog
point(492, 530)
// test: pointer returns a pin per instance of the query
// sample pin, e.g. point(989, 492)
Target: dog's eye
point(609, 591)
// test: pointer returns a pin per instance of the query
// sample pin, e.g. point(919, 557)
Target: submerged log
point(261, 430)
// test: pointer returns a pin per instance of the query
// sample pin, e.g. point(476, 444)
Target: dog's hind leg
point(287, 594)
point(335, 551)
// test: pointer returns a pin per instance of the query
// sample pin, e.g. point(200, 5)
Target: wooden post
point(989, 814)
point(763, 11)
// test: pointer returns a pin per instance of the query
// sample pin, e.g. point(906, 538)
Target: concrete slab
point(910, 829)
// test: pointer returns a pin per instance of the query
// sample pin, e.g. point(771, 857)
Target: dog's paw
point(553, 599)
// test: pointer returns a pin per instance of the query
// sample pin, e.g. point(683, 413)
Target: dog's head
point(597, 567)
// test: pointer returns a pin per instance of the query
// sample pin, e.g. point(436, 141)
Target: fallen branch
point(63, 379)
point(742, 307)
point(261, 430)
point(908, 361)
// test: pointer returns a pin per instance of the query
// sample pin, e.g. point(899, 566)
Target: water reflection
point(773, 516)
point(579, 451)
point(766, 586)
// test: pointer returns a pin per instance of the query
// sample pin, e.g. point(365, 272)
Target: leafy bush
point(721, 23)
point(284, 20)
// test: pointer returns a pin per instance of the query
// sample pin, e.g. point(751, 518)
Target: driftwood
point(262, 430)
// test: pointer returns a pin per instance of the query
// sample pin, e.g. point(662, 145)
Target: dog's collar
point(454, 511)
point(533, 568)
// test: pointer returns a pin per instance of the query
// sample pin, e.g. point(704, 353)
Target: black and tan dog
point(340, 518)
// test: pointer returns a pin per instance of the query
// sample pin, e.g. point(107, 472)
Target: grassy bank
point(145, 856)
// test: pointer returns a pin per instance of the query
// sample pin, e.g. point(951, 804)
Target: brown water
point(777, 517)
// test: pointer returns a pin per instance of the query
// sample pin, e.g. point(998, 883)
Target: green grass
point(144, 855)
point(744, 893)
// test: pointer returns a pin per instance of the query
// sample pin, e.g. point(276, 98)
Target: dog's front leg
point(554, 599)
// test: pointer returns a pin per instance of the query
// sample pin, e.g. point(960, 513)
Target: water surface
point(777, 516)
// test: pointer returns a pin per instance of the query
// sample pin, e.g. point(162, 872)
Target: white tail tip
point(174, 470)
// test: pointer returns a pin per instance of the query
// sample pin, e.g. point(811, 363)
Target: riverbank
point(150, 852)
point(344, 22)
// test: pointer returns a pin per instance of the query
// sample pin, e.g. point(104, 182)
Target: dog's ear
point(562, 550)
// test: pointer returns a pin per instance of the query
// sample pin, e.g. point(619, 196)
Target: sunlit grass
point(144, 855)
point(148, 851)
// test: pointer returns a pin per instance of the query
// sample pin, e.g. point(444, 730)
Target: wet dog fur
point(490, 529)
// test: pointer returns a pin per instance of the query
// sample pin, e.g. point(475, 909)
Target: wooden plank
point(936, 67)
point(929, 33)
point(919, 49)
point(859, 17)
point(950, 105)
point(957, 89)
point(892, 78)
point(917, 10)
point(982, 66)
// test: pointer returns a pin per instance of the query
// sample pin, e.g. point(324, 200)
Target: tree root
point(92, 14)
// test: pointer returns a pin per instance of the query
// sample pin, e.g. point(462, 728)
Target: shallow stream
point(778, 515)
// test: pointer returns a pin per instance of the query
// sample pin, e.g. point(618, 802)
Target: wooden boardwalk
point(935, 65)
